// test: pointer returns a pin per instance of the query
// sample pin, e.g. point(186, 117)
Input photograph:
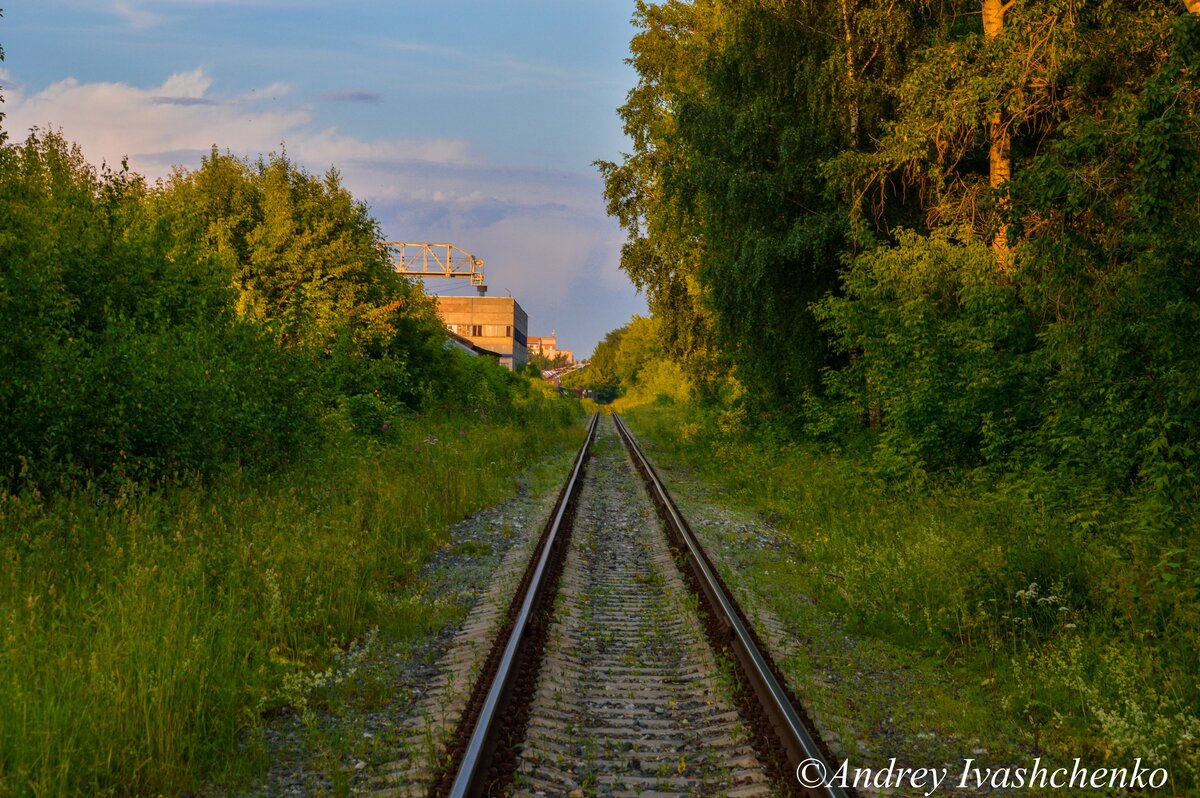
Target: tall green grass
point(146, 634)
point(1075, 618)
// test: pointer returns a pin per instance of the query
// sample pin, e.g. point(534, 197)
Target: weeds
point(1084, 634)
point(146, 633)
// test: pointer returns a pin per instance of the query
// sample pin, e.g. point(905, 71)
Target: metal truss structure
point(424, 259)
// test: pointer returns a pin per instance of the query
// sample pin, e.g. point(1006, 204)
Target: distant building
point(547, 345)
point(493, 323)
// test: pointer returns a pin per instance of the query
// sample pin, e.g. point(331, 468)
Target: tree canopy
point(227, 314)
point(972, 227)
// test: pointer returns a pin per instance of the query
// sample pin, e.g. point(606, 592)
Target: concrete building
point(495, 323)
point(456, 341)
point(548, 345)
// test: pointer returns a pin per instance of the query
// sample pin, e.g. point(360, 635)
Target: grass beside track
point(145, 635)
point(1067, 623)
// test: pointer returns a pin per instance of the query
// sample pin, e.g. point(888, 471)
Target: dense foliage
point(976, 234)
point(541, 362)
point(632, 362)
point(148, 634)
point(953, 247)
point(224, 315)
point(221, 412)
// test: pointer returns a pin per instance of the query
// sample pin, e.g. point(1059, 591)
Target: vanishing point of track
point(624, 667)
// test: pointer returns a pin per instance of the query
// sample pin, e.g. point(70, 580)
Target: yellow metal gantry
point(425, 259)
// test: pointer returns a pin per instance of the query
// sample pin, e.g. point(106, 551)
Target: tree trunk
point(1000, 152)
point(993, 17)
point(851, 73)
point(1000, 149)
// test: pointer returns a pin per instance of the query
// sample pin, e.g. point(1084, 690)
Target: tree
point(2, 133)
point(734, 227)
point(1100, 102)
point(543, 363)
point(1000, 147)
point(663, 251)
point(787, 152)
point(212, 318)
point(601, 376)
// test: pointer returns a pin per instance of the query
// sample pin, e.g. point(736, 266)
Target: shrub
point(939, 350)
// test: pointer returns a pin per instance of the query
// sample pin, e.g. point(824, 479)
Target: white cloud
point(187, 84)
point(543, 233)
point(176, 122)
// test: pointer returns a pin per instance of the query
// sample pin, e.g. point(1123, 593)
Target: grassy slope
point(1054, 626)
point(144, 635)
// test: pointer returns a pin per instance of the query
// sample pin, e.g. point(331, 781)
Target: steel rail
point(801, 750)
point(471, 776)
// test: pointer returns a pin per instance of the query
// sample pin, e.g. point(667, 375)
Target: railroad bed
point(619, 668)
point(628, 699)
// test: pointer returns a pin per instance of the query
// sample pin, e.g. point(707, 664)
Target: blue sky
point(472, 122)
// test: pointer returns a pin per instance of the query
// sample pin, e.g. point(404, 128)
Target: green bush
point(939, 346)
point(1080, 624)
point(209, 320)
point(142, 403)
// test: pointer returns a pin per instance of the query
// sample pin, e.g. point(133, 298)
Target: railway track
point(622, 666)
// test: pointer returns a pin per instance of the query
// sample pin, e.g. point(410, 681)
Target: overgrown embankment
point(231, 435)
point(146, 633)
point(233, 314)
point(1074, 624)
point(931, 275)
